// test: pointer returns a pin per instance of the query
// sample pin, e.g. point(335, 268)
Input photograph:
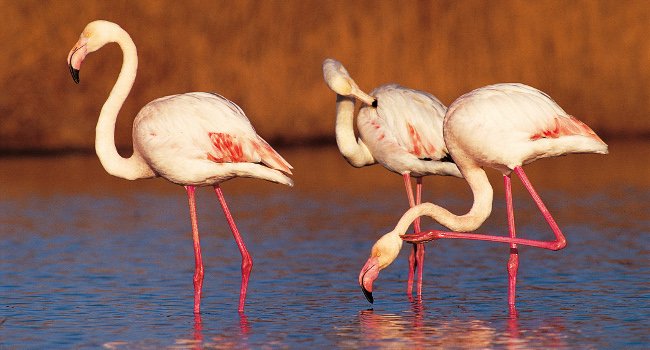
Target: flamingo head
point(339, 80)
point(382, 254)
point(94, 36)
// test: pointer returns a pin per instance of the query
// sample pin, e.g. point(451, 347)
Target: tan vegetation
point(590, 56)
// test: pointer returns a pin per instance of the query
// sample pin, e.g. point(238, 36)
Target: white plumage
point(507, 125)
point(502, 126)
point(179, 137)
point(404, 132)
point(399, 128)
point(191, 139)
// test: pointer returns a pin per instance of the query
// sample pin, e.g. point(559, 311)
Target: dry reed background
point(591, 56)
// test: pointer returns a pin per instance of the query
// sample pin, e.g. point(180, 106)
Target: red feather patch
point(565, 127)
point(226, 148)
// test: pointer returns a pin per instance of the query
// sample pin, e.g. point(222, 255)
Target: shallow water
point(91, 261)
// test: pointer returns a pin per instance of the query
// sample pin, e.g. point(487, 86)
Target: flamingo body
point(399, 128)
point(404, 131)
point(503, 126)
point(192, 139)
point(201, 139)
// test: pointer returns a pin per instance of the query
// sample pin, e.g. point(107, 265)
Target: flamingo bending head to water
point(192, 139)
point(501, 126)
point(399, 128)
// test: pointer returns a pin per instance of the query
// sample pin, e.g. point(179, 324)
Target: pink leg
point(198, 262)
point(198, 327)
point(416, 226)
point(557, 244)
point(419, 258)
point(246, 261)
point(513, 261)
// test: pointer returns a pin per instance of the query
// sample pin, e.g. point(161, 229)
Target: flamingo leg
point(560, 240)
point(416, 258)
point(412, 256)
point(557, 244)
point(419, 258)
point(513, 261)
point(198, 261)
point(247, 261)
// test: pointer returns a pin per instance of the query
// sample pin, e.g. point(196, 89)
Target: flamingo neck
point(481, 208)
point(355, 152)
point(133, 167)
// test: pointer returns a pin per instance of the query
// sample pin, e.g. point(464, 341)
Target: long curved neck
point(356, 153)
point(133, 167)
point(481, 208)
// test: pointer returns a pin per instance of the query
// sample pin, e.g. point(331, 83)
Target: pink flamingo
point(502, 126)
point(401, 129)
point(192, 139)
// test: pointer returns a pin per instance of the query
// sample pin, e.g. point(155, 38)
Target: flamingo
point(401, 129)
point(501, 126)
point(192, 139)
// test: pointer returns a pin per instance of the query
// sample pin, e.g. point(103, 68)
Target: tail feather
point(566, 126)
point(270, 157)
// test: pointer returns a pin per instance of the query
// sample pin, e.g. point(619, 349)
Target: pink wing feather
point(270, 157)
point(565, 126)
point(228, 148)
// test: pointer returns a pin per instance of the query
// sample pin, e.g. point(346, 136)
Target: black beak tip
point(75, 74)
point(368, 295)
point(374, 103)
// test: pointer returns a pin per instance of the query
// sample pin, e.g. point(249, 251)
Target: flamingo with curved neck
point(192, 139)
point(399, 128)
point(502, 126)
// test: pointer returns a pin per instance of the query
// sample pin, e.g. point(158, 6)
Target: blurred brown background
point(590, 56)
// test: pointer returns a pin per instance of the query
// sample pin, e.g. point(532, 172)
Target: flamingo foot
point(423, 237)
point(427, 236)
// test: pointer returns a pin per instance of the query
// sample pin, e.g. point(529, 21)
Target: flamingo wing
point(564, 125)
point(234, 148)
point(514, 124)
point(414, 120)
point(242, 143)
point(540, 116)
point(201, 126)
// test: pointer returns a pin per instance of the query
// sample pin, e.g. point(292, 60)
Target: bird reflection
point(228, 339)
point(244, 326)
point(512, 332)
point(415, 330)
point(391, 330)
point(198, 328)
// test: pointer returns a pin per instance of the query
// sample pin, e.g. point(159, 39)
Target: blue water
point(90, 261)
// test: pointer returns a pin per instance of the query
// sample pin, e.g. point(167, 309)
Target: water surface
point(91, 261)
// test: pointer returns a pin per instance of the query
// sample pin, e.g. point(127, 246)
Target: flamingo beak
point(75, 57)
point(75, 74)
point(365, 98)
point(367, 276)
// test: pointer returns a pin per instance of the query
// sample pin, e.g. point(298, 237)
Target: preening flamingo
point(192, 139)
point(399, 128)
point(502, 126)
